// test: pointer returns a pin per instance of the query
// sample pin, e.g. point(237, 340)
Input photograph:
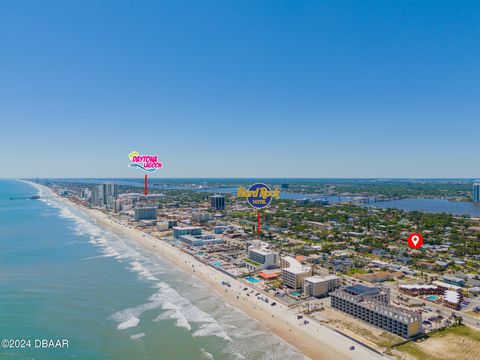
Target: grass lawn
point(460, 342)
point(254, 263)
point(356, 271)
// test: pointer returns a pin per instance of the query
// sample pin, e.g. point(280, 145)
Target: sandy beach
point(314, 340)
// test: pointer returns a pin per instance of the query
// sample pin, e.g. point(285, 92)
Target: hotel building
point(145, 213)
point(318, 286)
point(259, 253)
point(187, 230)
point(200, 240)
point(372, 305)
point(293, 272)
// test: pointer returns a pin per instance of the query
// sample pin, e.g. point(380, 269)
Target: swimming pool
point(432, 298)
point(217, 263)
point(296, 294)
point(252, 280)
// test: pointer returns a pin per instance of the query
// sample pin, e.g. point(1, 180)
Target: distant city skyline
point(241, 90)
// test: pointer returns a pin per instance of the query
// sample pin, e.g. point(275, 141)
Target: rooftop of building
point(418, 287)
point(447, 286)
point(319, 279)
point(186, 227)
point(451, 297)
point(294, 266)
point(452, 278)
point(268, 275)
point(261, 247)
point(362, 290)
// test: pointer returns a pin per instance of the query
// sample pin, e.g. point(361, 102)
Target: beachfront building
point(85, 194)
point(145, 213)
point(117, 205)
point(318, 286)
point(200, 240)
point(186, 230)
point(104, 194)
point(293, 272)
point(162, 226)
point(217, 202)
point(96, 197)
point(367, 304)
point(259, 253)
point(476, 192)
point(370, 293)
point(110, 191)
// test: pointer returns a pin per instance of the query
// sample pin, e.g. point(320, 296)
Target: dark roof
point(362, 290)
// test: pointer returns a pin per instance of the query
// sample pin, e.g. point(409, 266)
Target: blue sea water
point(64, 277)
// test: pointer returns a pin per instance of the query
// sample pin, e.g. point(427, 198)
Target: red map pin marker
point(415, 241)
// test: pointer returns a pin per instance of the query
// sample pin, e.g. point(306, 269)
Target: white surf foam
point(206, 354)
point(142, 270)
point(130, 322)
point(212, 330)
point(137, 336)
point(179, 308)
point(181, 320)
point(130, 317)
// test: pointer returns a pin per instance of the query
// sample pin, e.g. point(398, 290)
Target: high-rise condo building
point(96, 197)
point(145, 213)
point(217, 202)
point(476, 192)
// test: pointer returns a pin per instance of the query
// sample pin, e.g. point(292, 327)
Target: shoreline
point(314, 340)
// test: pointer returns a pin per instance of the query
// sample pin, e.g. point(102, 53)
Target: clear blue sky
point(241, 88)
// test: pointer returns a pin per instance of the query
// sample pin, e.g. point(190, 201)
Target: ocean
point(64, 277)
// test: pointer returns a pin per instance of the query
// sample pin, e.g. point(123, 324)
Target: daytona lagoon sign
point(258, 195)
point(147, 163)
